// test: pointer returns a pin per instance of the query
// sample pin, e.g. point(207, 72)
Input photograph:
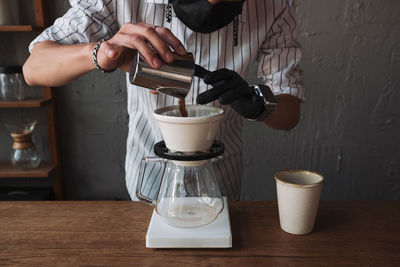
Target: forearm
point(286, 115)
point(53, 64)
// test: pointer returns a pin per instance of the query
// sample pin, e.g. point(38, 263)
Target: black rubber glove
point(230, 89)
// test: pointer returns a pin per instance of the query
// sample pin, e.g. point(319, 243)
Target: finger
point(200, 72)
point(206, 97)
point(214, 93)
point(131, 32)
point(218, 75)
point(232, 95)
point(157, 42)
point(171, 40)
point(138, 43)
point(148, 55)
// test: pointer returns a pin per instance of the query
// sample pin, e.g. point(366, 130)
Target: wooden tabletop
point(113, 234)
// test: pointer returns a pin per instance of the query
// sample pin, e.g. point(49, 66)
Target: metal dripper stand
point(190, 210)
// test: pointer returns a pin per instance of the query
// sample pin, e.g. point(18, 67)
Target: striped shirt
point(266, 32)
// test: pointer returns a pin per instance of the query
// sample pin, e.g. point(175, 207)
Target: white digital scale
point(214, 235)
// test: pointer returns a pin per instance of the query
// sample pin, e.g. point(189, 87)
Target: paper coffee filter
point(195, 113)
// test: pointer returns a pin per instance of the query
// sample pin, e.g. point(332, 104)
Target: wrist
point(89, 55)
point(96, 55)
point(269, 101)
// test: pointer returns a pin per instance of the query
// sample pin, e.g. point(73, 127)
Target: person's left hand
point(230, 89)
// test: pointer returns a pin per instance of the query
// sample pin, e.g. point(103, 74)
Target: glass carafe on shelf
point(25, 154)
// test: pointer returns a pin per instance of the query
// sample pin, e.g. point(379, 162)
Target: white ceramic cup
point(298, 198)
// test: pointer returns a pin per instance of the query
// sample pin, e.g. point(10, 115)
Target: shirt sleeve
point(86, 21)
point(280, 54)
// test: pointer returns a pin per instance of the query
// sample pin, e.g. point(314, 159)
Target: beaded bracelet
point(94, 56)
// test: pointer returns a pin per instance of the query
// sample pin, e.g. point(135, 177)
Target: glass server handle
point(139, 195)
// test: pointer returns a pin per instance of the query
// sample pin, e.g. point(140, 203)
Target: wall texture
point(349, 130)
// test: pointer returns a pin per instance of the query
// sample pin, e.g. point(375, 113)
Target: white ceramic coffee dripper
point(191, 134)
point(189, 195)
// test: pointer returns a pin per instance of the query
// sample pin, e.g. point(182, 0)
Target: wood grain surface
point(42, 171)
point(362, 233)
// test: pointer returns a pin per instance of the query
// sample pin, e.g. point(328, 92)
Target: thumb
point(110, 51)
point(109, 56)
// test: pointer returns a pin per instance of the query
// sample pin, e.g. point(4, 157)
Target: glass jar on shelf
point(12, 83)
point(25, 154)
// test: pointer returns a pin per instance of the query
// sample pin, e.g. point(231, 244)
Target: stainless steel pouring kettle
point(174, 79)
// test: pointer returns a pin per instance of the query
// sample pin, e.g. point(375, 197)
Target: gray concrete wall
point(349, 129)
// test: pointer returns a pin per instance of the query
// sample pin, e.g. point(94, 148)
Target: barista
point(224, 37)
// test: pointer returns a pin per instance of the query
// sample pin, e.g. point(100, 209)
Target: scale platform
point(214, 235)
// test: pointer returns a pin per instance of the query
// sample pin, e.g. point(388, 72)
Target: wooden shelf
point(43, 171)
point(28, 103)
point(20, 28)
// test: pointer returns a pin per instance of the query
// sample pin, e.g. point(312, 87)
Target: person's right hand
point(117, 52)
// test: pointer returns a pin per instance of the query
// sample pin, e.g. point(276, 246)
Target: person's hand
point(117, 51)
point(230, 89)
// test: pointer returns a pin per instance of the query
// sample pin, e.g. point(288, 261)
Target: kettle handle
point(139, 195)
